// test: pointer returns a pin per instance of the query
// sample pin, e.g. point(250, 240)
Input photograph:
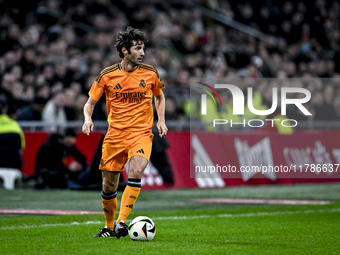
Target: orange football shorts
point(120, 146)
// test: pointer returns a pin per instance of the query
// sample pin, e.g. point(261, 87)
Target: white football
point(142, 228)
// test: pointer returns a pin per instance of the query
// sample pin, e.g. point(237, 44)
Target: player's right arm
point(88, 110)
point(95, 93)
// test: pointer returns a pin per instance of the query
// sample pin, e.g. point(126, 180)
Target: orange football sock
point(129, 198)
point(109, 202)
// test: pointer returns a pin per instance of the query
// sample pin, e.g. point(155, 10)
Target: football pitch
point(184, 225)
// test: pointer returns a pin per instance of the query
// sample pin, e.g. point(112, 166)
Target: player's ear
point(125, 51)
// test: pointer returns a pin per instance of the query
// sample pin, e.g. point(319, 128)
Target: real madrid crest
point(142, 84)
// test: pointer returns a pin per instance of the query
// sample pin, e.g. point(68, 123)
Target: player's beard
point(133, 60)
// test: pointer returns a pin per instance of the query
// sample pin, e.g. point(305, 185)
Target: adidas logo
point(129, 206)
point(133, 197)
point(140, 151)
point(117, 86)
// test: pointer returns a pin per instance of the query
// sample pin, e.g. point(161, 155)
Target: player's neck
point(128, 66)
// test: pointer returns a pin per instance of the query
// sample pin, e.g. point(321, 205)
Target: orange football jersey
point(128, 96)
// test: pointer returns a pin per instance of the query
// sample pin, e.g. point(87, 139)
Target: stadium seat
point(9, 175)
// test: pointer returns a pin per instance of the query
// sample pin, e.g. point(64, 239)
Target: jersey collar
point(120, 66)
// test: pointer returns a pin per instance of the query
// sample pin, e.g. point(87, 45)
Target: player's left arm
point(160, 108)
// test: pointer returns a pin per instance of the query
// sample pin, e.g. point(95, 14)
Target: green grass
point(182, 227)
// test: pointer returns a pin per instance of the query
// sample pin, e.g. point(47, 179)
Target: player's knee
point(136, 173)
point(109, 187)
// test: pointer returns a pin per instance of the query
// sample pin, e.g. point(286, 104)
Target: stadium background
point(49, 46)
point(55, 47)
point(53, 50)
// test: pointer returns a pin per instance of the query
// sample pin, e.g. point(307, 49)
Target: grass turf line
point(266, 230)
point(159, 200)
point(244, 229)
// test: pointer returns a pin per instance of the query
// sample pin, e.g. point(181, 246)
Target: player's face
point(136, 53)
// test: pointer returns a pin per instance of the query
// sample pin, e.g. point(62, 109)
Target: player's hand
point(162, 129)
point(87, 127)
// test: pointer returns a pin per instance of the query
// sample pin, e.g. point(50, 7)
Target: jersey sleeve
point(97, 88)
point(158, 85)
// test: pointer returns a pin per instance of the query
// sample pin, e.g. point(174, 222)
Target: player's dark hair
point(126, 38)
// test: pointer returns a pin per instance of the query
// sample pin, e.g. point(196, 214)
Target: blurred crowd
point(51, 51)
